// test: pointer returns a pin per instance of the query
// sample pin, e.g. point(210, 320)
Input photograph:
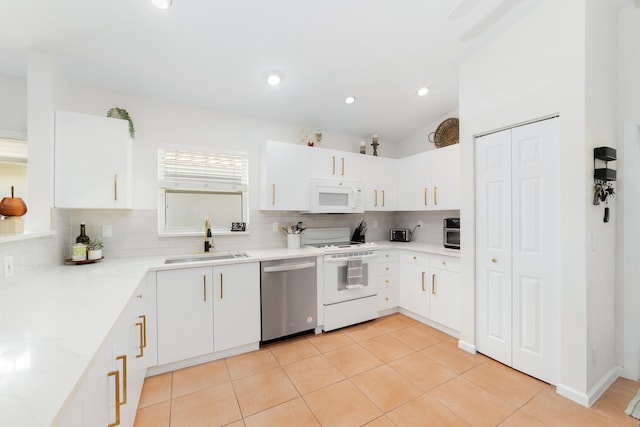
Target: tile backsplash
point(135, 233)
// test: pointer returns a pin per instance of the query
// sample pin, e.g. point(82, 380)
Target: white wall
point(419, 141)
point(13, 108)
point(535, 69)
point(627, 270)
point(601, 39)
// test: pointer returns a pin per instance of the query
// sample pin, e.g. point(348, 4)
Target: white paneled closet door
point(517, 212)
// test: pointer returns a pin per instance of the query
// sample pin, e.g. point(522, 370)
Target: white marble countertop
point(420, 247)
point(52, 325)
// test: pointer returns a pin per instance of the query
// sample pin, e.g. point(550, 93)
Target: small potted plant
point(95, 249)
point(121, 113)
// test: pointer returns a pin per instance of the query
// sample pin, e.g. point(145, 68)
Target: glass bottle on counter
point(82, 238)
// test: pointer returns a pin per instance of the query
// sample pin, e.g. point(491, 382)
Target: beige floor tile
point(292, 413)
point(156, 389)
point(472, 403)
point(353, 359)
point(521, 419)
point(341, 404)
point(262, 391)
point(508, 384)
point(330, 341)
point(363, 331)
point(292, 351)
point(251, 363)
point(312, 374)
point(153, 416)
point(553, 409)
point(451, 357)
point(382, 421)
point(199, 377)
point(239, 423)
point(416, 338)
point(211, 406)
point(422, 371)
point(385, 388)
point(425, 411)
point(386, 348)
point(391, 323)
point(616, 399)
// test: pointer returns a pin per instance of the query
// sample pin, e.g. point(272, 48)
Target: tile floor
point(393, 371)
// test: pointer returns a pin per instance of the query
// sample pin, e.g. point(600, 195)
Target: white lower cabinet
point(444, 298)
point(429, 288)
point(110, 390)
point(387, 280)
point(236, 305)
point(413, 287)
point(185, 313)
point(207, 309)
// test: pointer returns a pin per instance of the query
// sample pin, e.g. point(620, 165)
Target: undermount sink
point(211, 257)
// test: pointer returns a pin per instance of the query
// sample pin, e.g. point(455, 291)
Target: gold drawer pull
point(493, 260)
point(124, 377)
point(433, 284)
point(423, 288)
point(116, 376)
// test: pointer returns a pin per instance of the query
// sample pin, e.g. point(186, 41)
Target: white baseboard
point(471, 348)
point(602, 385)
point(572, 394)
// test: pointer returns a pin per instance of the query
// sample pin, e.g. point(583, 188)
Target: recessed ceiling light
point(350, 100)
point(423, 91)
point(161, 4)
point(274, 77)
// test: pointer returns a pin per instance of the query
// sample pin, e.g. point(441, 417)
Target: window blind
point(179, 169)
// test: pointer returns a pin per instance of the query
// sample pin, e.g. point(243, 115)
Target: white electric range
point(350, 289)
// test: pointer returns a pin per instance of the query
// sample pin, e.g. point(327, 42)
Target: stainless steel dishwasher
point(289, 296)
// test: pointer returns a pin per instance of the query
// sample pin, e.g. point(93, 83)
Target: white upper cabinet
point(93, 162)
point(285, 183)
point(430, 180)
point(380, 178)
point(335, 164)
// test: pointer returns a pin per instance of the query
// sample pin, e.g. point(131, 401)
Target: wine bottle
point(82, 238)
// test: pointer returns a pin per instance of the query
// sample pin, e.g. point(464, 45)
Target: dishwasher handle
point(288, 267)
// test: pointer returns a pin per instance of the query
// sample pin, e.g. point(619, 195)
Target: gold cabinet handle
point(433, 284)
point(221, 286)
point(386, 298)
point(342, 166)
point(435, 195)
point(386, 281)
point(204, 287)
point(444, 263)
point(414, 258)
point(273, 194)
point(382, 197)
point(423, 288)
point(116, 376)
point(333, 165)
point(115, 187)
point(375, 197)
point(425, 196)
point(386, 255)
point(493, 260)
point(386, 268)
point(124, 377)
point(141, 336)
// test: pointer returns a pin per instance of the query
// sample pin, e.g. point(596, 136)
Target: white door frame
point(631, 249)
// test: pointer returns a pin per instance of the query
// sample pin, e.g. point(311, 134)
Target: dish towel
point(355, 278)
point(634, 407)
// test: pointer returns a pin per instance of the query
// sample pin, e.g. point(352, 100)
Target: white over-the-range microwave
point(335, 196)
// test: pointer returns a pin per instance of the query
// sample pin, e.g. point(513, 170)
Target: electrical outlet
point(107, 231)
point(419, 224)
point(276, 226)
point(8, 266)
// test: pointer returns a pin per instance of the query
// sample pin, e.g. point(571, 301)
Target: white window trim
point(241, 188)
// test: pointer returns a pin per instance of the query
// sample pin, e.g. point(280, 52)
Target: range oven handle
point(340, 259)
point(288, 267)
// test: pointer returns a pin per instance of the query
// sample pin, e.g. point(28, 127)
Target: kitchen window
point(194, 185)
